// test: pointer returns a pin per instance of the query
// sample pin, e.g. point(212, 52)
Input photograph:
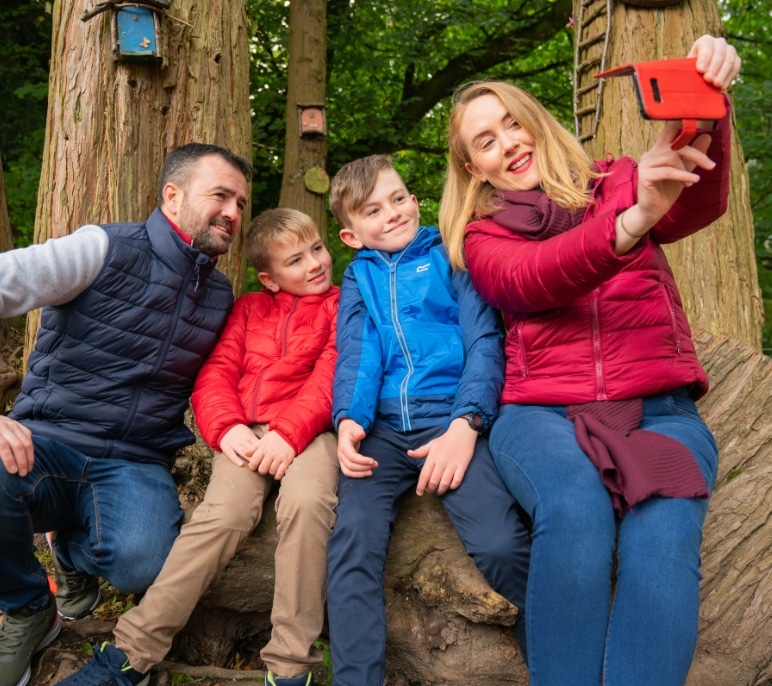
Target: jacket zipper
point(596, 345)
point(521, 348)
point(164, 349)
point(282, 354)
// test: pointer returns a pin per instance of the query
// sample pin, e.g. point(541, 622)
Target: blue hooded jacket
point(417, 346)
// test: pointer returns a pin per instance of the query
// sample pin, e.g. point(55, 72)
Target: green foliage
point(24, 56)
point(391, 70)
point(749, 27)
point(392, 67)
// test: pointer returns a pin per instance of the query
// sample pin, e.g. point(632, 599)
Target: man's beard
point(210, 243)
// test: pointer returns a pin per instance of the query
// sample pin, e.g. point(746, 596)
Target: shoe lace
point(72, 582)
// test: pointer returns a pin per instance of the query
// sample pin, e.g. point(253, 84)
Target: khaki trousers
point(231, 509)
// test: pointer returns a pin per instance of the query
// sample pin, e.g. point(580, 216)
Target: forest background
point(390, 67)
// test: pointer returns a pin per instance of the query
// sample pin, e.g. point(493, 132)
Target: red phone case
point(673, 89)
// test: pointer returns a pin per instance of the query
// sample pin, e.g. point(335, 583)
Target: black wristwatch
point(475, 421)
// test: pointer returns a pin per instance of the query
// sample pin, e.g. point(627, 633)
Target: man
point(131, 312)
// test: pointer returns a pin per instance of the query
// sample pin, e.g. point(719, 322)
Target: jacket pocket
point(519, 355)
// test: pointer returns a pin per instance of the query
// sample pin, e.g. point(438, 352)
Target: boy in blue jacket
point(417, 381)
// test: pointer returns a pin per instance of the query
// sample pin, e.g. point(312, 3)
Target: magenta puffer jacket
point(274, 365)
point(584, 324)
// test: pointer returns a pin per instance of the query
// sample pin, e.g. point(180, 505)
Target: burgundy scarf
point(534, 215)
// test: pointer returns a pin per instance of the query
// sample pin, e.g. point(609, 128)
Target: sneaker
point(77, 593)
point(21, 636)
point(108, 667)
point(272, 680)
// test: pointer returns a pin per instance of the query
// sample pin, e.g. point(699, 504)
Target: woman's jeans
point(576, 637)
point(113, 518)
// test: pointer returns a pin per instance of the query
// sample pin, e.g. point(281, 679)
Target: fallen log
point(446, 624)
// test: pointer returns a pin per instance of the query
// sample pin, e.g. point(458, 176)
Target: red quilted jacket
point(273, 364)
point(582, 323)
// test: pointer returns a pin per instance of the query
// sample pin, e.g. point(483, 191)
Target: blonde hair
point(354, 183)
point(273, 228)
point(565, 168)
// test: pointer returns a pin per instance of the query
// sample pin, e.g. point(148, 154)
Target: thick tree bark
point(306, 85)
point(111, 124)
point(715, 269)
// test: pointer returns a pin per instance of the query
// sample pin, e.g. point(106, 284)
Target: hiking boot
point(108, 667)
point(77, 593)
point(21, 636)
point(272, 680)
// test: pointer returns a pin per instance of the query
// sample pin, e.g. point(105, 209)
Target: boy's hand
point(273, 456)
point(447, 458)
point(239, 444)
point(353, 464)
point(16, 450)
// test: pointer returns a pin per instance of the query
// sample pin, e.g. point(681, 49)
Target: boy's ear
point(267, 280)
point(350, 239)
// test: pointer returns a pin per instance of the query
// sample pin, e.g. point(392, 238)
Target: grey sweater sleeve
point(52, 273)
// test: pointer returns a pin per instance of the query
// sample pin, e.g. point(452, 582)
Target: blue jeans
point(114, 518)
point(481, 509)
point(575, 635)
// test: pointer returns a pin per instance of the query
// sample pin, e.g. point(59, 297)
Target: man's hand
point(447, 458)
point(16, 450)
point(352, 463)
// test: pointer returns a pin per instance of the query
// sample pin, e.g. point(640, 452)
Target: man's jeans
point(574, 633)
point(114, 518)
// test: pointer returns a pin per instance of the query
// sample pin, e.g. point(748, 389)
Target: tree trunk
point(715, 269)
point(306, 85)
point(735, 642)
point(111, 124)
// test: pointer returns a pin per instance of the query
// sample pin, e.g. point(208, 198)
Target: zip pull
point(197, 269)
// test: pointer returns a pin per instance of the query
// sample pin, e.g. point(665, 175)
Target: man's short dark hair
point(180, 162)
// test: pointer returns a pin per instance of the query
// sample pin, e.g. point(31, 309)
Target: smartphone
point(673, 89)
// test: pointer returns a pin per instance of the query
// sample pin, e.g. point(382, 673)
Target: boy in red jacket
point(263, 402)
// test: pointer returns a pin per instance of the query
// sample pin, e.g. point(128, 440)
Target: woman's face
point(501, 152)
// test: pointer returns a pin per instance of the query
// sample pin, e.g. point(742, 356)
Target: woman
point(598, 436)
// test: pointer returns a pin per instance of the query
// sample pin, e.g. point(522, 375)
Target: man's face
point(210, 205)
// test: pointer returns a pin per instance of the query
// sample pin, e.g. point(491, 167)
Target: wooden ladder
point(591, 28)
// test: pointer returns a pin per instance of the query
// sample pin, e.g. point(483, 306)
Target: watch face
point(475, 421)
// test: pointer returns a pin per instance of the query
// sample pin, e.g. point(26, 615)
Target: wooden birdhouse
point(136, 33)
point(312, 121)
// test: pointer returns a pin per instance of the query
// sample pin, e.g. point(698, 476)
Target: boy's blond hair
point(566, 170)
point(354, 183)
point(275, 227)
